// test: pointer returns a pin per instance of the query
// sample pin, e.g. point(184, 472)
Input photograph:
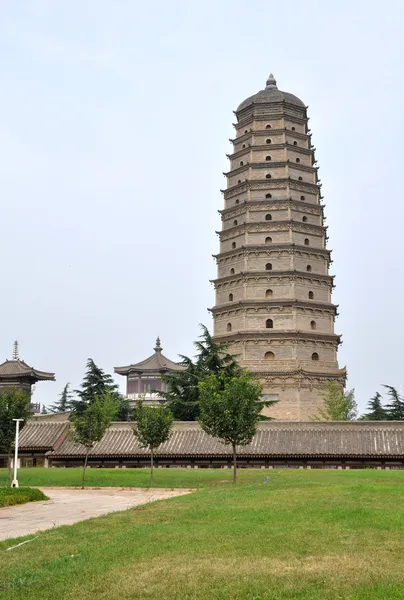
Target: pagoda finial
point(158, 347)
point(271, 83)
point(15, 351)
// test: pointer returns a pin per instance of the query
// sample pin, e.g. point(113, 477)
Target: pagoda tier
point(17, 373)
point(144, 379)
point(273, 288)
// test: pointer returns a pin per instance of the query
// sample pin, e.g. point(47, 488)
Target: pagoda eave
point(247, 249)
point(272, 303)
point(257, 184)
point(273, 334)
point(316, 209)
point(278, 146)
point(268, 132)
point(270, 274)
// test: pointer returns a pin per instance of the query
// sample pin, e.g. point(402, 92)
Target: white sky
point(114, 124)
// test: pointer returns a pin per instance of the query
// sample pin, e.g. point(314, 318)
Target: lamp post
point(14, 483)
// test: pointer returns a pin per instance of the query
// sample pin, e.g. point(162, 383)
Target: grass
point(318, 535)
point(11, 496)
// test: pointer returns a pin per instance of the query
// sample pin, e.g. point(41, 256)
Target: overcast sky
point(115, 117)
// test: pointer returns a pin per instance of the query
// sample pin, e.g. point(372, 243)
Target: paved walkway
point(70, 505)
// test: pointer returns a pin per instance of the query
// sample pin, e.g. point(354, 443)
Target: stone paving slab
point(70, 505)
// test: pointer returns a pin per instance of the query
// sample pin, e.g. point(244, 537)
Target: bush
point(11, 496)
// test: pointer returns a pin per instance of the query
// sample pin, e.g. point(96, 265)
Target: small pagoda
point(144, 379)
point(16, 373)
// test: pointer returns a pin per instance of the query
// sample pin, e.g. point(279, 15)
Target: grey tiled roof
point(157, 362)
point(42, 434)
point(273, 439)
point(10, 369)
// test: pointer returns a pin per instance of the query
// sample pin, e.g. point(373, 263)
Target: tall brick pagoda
point(273, 287)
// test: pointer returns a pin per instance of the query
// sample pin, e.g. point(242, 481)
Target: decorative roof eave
point(247, 249)
point(252, 115)
point(240, 455)
point(274, 334)
point(243, 275)
point(18, 369)
point(269, 165)
point(156, 363)
point(260, 183)
point(334, 374)
point(308, 207)
point(273, 303)
point(169, 366)
point(280, 146)
point(44, 449)
point(269, 226)
point(267, 132)
point(282, 103)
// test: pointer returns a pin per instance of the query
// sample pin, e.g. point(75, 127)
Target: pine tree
point(377, 412)
point(44, 410)
point(64, 403)
point(96, 383)
point(395, 409)
point(183, 391)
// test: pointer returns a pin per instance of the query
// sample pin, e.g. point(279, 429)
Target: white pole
point(14, 483)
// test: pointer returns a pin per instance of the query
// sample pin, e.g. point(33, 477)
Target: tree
point(96, 383)
point(377, 412)
point(64, 403)
point(152, 428)
point(338, 406)
point(182, 393)
point(44, 410)
point(230, 409)
point(125, 410)
point(91, 422)
point(395, 410)
point(14, 404)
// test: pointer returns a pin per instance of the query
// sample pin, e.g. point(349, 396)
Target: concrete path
point(70, 505)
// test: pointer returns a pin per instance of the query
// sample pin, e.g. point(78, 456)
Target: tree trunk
point(234, 463)
point(151, 466)
point(85, 467)
point(10, 470)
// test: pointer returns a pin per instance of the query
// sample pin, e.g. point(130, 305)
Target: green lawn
point(321, 535)
point(11, 496)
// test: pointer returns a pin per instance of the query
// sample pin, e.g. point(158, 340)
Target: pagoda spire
point(158, 347)
point(16, 351)
point(271, 82)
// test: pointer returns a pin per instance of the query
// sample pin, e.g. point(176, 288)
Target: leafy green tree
point(44, 410)
point(125, 410)
point(395, 409)
point(338, 406)
point(230, 409)
point(91, 422)
point(183, 390)
point(152, 428)
point(14, 404)
point(376, 410)
point(64, 403)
